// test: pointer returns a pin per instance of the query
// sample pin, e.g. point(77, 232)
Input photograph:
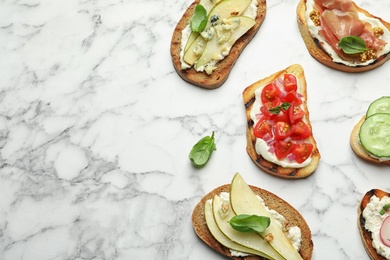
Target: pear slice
point(217, 233)
point(244, 201)
point(223, 9)
point(214, 50)
point(247, 240)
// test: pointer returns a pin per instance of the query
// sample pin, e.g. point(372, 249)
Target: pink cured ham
point(339, 18)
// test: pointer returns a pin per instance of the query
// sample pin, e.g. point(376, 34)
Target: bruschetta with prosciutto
point(343, 36)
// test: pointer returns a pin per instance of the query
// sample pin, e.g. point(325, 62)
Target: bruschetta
point(343, 36)
point(205, 56)
point(212, 214)
point(279, 134)
point(370, 137)
point(374, 223)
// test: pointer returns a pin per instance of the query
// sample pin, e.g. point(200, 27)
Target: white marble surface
point(96, 127)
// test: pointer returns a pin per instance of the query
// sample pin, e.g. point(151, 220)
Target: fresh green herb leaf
point(276, 110)
point(384, 209)
point(352, 45)
point(250, 223)
point(202, 150)
point(199, 20)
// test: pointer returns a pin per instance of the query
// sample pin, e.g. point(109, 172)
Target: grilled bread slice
point(358, 148)
point(269, 167)
point(364, 233)
point(272, 201)
point(314, 46)
point(224, 67)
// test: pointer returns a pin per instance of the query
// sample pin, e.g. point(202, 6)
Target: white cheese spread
point(261, 146)
point(374, 221)
point(335, 57)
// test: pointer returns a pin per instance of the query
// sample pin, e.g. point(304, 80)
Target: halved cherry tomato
point(302, 152)
point(291, 97)
point(301, 131)
point(283, 130)
point(282, 149)
point(268, 105)
point(281, 117)
point(295, 112)
point(262, 128)
point(290, 82)
point(270, 92)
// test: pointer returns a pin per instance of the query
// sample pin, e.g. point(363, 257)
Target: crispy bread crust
point(224, 67)
point(269, 167)
point(364, 233)
point(358, 148)
point(272, 201)
point(315, 49)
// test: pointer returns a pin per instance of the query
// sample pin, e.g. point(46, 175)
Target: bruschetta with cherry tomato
point(279, 134)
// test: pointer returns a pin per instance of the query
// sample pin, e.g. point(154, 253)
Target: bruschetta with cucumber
point(370, 137)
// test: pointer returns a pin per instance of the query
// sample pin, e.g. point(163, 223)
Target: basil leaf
point(352, 45)
point(202, 150)
point(276, 110)
point(199, 20)
point(250, 223)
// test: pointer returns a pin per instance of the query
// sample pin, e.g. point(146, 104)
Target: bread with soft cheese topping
point(272, 201)
point(270, 167)
point(318, 52)
point(224, 67)
point(364, 233)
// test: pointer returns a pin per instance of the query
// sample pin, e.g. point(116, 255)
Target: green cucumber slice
point(375, 135)
point(381, 105)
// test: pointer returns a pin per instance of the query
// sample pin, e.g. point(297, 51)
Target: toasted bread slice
point(272, 201)
point(357, 146)
point(224, 67)
point(316, 50)
point(269, 167)
point(364, 233)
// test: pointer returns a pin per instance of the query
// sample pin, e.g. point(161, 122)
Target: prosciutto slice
point(339, 18)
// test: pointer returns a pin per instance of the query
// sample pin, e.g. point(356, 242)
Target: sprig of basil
point(352, 45)
point(202, 150)
point(199, 20)
point(250, 223)
point(276, 110)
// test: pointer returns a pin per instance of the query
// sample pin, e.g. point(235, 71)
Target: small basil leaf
point(352, 45)
point(250, 223)
point(202, 150)
point(199, 20)
point(276, 110)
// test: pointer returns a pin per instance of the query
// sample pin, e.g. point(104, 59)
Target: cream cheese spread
point(314, 31)
point(261, 146)
point(374, 221)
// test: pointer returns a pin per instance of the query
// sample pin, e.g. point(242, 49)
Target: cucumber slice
point(375, 135)
point(381, 105)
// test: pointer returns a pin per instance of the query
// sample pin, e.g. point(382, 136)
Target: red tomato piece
point(302, 152)
point(283, 130)
point(262, 128)
point(295, 112)
point(268, 105)
point(290, 82)
point(270, 92)
point(291, 97)
point(282, 149)
point(301, 131)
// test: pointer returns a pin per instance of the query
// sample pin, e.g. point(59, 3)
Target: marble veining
point(96, 127)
